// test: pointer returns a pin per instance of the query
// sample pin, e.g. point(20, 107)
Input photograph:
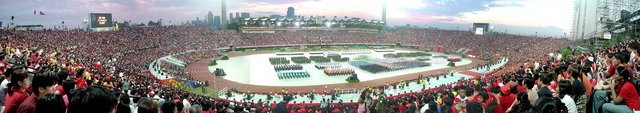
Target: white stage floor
point(257, 70)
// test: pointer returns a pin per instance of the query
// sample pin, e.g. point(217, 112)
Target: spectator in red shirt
point(206, 107)
point(50, 103)
point(623, 93)
point(92, 100)
point(62, 76)
point(506, 98)
point(303, 110)
point(80, 81)
point(17, 90)
point(43, 83)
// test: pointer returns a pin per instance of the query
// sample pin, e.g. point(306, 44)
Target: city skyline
point(512, 16)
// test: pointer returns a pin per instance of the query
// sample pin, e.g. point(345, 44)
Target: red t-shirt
point(302, 110)
point(81, 83)
point(498, 109)
point(521, 89)
point(506, 101)
point(630, 96)
point(612, 70)
point(401, 108)
point(60, 89)
point(12, 102)
point(28, 105)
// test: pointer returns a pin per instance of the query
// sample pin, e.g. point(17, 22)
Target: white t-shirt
point(571, 105)
point(187, 104)
point(424, 108)
point(4, 83)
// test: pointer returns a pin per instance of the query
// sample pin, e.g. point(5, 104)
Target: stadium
point(316, 64)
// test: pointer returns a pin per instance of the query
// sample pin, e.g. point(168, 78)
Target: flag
point(41, 13)
point(34, 12)
point(12, 17)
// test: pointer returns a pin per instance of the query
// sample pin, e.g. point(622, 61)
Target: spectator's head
point(124, 99)
point(169, 107)
point(495, 90)
point(195, 109)
point(633, 47)
point(50, 103)
point(92, 100)
point(79, 73)
point(44, 83)
point(529, 83)
point(622, 74)
point(550, 105)
point(474, 107)
point(620, 58)
point(462, 91)
point(148, 106)
point(545, 79)
point(448, 101)
point(8, 72)
point(62, 76)
point(19, 80)
point(564, 88)
point(482, 97)
point(575, 74)
point(179, 106)
point(286, 98)
point(68, 86)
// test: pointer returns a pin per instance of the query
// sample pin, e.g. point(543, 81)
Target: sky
point(542, 17)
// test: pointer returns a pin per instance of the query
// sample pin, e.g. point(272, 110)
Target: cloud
point(525, 13)
point(533, 13)
point(504, 4)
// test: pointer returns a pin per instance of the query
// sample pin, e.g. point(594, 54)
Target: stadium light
point(279, 24)
point(297, 24)
point(328, 24)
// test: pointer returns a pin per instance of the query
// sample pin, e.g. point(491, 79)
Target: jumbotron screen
point(101, 20)
point(480, 28)
point(479, 31)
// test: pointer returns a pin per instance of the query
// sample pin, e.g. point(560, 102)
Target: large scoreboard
point(99, 22)
point(480, 28)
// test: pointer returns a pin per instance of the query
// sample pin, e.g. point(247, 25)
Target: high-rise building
point(237, 15)
point(585, 19)
point(210, 19)
point(224, 22)
point(276, 16)
point(245, 15)
point(216, 22)
point(384, 11)
point(231, 18)
point(291, 13)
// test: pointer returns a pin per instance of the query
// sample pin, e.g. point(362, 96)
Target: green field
point(208, 92)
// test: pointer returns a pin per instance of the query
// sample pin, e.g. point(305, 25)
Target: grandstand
point(315, 64)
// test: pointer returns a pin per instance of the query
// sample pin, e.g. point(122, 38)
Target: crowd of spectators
point(105, 72)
